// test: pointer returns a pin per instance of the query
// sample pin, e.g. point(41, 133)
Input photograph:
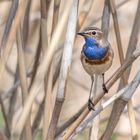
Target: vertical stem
point(66, 61)
point(43, 25)
point(48, 102)
point(13, 98)
point(11, 38)
point(6, 119)
point(24, 85)
point(84, 13)
point(42, 70)
point(124, 76)
point(131, 47)
point(9, 21)
point(55, 14)
point(25, 28)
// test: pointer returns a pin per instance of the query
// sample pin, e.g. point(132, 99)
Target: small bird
point(96, 56)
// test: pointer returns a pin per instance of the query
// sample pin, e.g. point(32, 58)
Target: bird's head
point(92, 35)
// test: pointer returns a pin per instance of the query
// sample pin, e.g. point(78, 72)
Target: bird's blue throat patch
point(93, 50)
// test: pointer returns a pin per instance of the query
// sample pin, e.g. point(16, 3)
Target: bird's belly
point(96, 69)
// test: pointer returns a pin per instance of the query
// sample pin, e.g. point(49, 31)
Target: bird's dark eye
point(93, 33)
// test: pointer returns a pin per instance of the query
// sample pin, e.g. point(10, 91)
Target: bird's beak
point(82, 34)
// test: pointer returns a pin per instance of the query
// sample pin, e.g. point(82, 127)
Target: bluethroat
point(96, 56)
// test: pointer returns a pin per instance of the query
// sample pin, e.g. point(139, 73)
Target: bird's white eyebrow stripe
point(89, 31)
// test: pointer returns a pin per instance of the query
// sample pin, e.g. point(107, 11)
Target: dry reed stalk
point(109, 83)
point(9, 21)
point(44, 15)
point(57, 71)
point(64, 71)
point(75, 116)
point(35, 78)
point(13, 97)
point(42, 70)
point(124, 76)
point(25, 27)
point(133, 38)
point(55, 14)
point(105, 20)
point(10, 30)
point(84, 13)
point(53, 73)
point(24, 85)
point(70, 121)
point(105, 29)
point(117, 7)
point(37, 120)
point(7, 94)
point(116, 111)
point(125, 94)
point(50, 17)
point(49, 102)
point(49, 77)
point(38, 109)
point(36, 63)
point(39, 114)
point(45, 7)
point(29, 72)
point(11, 37)
point(6, 118)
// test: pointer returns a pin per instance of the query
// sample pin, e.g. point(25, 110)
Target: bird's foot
point(105, 89)
point(91, 105)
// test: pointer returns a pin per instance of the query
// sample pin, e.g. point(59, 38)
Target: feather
point(104, 60)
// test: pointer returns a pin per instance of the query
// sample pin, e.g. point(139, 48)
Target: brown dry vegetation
point(44, 89)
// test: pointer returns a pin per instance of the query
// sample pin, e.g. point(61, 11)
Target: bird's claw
point(91, 105)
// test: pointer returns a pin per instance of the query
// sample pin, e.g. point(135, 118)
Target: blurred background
point(78, 85)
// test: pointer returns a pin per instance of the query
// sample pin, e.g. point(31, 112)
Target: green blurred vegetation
point(114, 136)
point(38, 136)
point(1, 120)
